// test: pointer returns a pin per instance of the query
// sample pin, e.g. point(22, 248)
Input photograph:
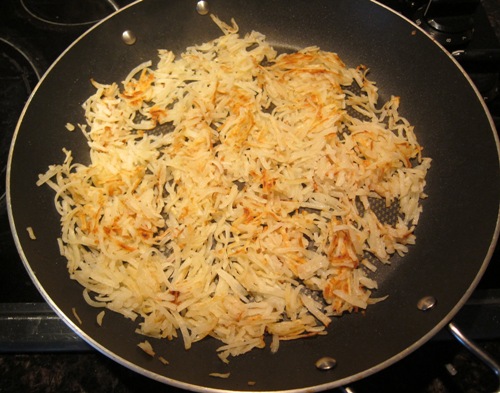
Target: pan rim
point(183, 385)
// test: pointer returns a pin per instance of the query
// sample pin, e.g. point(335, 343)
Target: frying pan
point(455, 237)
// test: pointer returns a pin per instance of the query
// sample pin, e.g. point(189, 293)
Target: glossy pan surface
point(455, 237)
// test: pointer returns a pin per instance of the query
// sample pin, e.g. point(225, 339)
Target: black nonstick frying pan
point(455, 237)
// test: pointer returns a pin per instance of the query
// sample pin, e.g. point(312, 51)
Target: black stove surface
point(32, 35)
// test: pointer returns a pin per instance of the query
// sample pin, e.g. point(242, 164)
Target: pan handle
point(477, 351)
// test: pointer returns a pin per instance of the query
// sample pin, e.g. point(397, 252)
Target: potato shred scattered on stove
point(229, 193)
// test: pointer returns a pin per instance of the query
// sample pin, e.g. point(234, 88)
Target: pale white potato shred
point(230, 184)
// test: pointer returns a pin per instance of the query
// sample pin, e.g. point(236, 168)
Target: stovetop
point(41, 353)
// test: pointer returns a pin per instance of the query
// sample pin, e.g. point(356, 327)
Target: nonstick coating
point(455, 237)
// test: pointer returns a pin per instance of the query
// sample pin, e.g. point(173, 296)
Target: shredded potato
point(230, 190)
point(146, 347)
point(220, 375)
point(31, 233)
point(75, 314)
point(100, 317)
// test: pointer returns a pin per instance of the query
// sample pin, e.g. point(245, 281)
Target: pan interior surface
point(455, 236)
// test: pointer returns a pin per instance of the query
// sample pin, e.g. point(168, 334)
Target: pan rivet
point(426, 303)
point(202, 7)
point(325, 363)
point(129, 37)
